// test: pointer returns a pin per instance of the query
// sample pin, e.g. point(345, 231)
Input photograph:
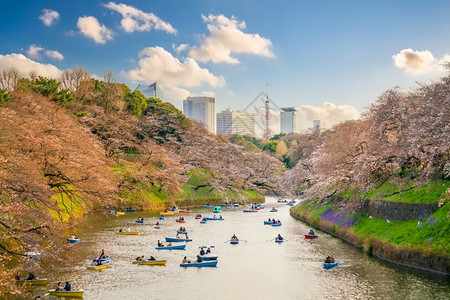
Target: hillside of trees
point(78, 144)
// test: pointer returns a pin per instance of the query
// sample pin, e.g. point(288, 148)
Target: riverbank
point(375, 247)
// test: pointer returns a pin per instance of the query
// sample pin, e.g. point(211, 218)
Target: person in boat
point(202, 252)
point(311, 232)
point(220, 217)
point(102, 255)
point(169, 244)
point(120, 230)
point(151, 258)
point(214, 216)
point(73, 237)
point(31, 276)
point(17, 277)
point(177, 236)
point(278, 222)
point(186, 237)
point(157, 224)
point(329, 260)
point(160, 244)
point(204, 219)
point(185, 261)
point(140, 258)
point(332, 259)
point(59, 287)
point(128, 229)
point(208, 251)
point(139, 218)
point(68, 287)
point(234, 237)
point(199, 259)
point(270, 220)
point(279, 237)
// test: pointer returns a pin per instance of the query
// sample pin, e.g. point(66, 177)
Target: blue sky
point(329, 58)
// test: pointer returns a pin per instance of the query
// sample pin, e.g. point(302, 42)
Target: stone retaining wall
point(397, 211)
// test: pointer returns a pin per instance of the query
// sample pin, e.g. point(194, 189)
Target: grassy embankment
point(428, 234)
point(197, 190)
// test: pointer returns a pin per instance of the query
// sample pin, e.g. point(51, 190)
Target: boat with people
point(208, 206)
point(214, 218)
point(234, 242)
point(209, 263)
point(162, 218)
point(120, 213)
point(73, 240)
point(182, 232)
point(311, 235)
point(180, 220)
point(97, 267)
point(273, 209)
point(203, 222)
point(34, 281)
point(176, 247)
point(198, 216)
point(330, 265)
point(278, 240)
point(69, 294)
point(185, 211)
point(217, 209)
point(166, 213)
point(177, 240)
point(130, 209)
point(150, 262)
point(278, 223)
point(250, 210)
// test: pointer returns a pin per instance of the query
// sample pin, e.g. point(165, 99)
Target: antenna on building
point(267, 129)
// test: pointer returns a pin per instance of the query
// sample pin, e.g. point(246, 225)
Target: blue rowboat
point(178, 247)
point(157, 227)
point(203, 222)
point(268, 223)
point(330, 265)
point(130, 209)
point(211, 263)
point(279, 240)
point(275, 224)
point(234, 242)
point(273, 210)
point(208, 206)
point(250, 210)
point(73, 241)
point(162, 218)
point(177, 240)
point(182, 232)
point(139, 221)
point(112, 211)
point(209, 256)
point(214, 219)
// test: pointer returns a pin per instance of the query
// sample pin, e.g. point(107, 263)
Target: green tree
point(270, 146)
point(136, 102)
point(4, 97)
point(50, 88)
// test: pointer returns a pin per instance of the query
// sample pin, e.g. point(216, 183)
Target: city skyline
point(329, 59)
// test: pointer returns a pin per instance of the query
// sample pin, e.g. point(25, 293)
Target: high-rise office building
point(316, 124)
point(237, 121)
point(151, 91)
point(289, 120)
point(201, 109)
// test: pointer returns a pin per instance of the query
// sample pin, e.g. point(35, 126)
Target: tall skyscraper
point(316, 124)
point(201, 109)
point(151, 91)
point(237, 121)
point(289, 120)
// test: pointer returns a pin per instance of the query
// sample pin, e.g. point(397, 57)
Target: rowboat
point(208, 256)
point(99, 267)
point(185, 211)
point(203, 222)
point(73, 294)
point(181, 221)
point(236, 204)
point(73, 241)
point(130, 210)
point(273, 210)
point(178, 247)
point(157, 227)
point(275, 224)
point(139, 221)
point(112, 211)
point(150, 262)
point(282, 201)
point(214, 219)
point(128, 233)
point(166, 213)
point(177, 240)
point(250, 210)
point(234, 242)
point(120, 213)
point(268, 222)
point(310, 236)
point(36, 281)
point(217, 209)
point(198, 218)
point(330, 265)
point(162, 218)
point(208, 206)
point(211, 263)
point(182, 232)
point(278, 240)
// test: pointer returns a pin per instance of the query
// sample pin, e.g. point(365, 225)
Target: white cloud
point(54, 54)
point(157, 64)
point(26, 65)
point(134, 19)
point(226, 37)
point(90, 27)
point(35, 51)
point(419, 62)
point(48, 16)
point(328, 113)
